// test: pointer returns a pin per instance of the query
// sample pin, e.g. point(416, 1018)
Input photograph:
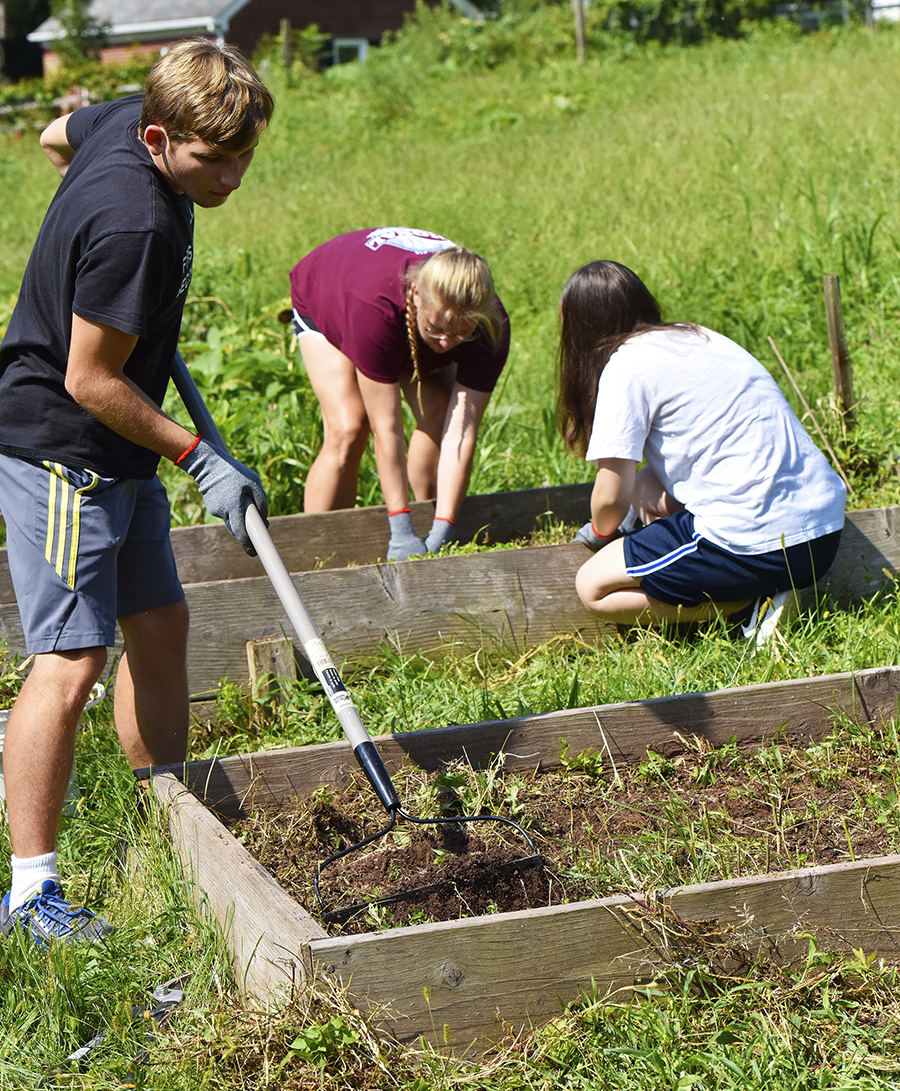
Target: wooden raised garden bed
point(468, 982)
point(515, 599)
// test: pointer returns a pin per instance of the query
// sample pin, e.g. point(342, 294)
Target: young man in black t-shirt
point(83, 370)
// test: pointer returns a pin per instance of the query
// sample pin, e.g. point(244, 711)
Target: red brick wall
point(119, 54)
point(115, 54)
point(347, 19)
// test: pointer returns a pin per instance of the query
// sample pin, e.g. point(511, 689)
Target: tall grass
point(732, 177)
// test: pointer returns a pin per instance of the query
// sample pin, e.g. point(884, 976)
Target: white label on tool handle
point(318, 656)
point(327, 674)
point(340, 700)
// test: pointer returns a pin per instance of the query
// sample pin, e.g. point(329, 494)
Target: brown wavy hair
point(603, 304)
point(201, 90)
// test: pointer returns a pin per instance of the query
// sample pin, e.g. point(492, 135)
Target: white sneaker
point(767, 615)
point(748, 627)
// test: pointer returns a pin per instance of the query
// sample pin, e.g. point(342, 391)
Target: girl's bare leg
point(605, 587)
point(331, 481)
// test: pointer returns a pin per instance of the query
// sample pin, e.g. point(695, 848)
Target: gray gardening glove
point(630, 523)
point(227, 487)
point(403, 543)
point(442, 531)
point(589, 537)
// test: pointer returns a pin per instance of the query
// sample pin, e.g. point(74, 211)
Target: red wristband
point(444, 519)
point(401, 511)
point(188, 450)
point(597, 532)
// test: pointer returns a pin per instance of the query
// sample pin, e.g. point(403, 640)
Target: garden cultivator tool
point(364, 749)
point(166, 998)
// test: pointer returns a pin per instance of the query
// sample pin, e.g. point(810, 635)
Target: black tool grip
point(371, 764)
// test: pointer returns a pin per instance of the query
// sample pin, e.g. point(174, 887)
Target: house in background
point(147, 26)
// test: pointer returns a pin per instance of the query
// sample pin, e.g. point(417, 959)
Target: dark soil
point(699, 819)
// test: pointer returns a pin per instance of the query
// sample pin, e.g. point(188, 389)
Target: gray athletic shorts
point(83, 550)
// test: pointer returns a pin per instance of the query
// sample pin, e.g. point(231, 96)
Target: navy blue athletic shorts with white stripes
point(677, 566)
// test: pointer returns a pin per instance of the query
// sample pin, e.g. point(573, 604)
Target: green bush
point(33, 102)
point(439, 38)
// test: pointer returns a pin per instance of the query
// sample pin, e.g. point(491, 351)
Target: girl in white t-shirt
point(736, 501)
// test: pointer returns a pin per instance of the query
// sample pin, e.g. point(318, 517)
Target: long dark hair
point(602, 305)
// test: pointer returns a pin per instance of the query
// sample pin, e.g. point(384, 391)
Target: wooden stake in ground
point(269, 661)
point(578, 8)
point(841, 367)
point(287, 44)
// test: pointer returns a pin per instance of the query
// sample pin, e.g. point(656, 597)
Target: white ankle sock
point(28, 874)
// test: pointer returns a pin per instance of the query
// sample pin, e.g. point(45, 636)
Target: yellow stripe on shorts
point(63, 513)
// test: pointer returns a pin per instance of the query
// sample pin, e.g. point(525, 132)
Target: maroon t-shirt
point(353, 288)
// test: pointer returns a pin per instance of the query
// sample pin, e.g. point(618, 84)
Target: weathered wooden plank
point(801, 710)
point(253, 911)
point(869, 548)
point(358, 535)
point(510, 599)
point(472, 980)
point(514, 599)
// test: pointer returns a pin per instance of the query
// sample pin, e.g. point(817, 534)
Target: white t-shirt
point(716, 430)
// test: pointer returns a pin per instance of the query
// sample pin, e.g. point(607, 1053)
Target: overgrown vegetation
point(696, 1020)
point(600, 826)
point(732, 176)
point(732, 205)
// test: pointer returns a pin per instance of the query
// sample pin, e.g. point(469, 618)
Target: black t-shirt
point(115, 248)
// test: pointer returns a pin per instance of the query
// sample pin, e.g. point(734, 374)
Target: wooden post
point(578, 8)
point(271, 658)
point(287, 51)
point(841, 367)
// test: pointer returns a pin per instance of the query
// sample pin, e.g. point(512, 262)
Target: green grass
point(690, 1024)
point(732, 176)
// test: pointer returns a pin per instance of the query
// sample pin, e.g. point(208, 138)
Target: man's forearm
point(119, 404)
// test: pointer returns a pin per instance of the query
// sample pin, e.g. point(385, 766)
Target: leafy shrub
point(35, 101)
point(438, 38)
point(306, 46)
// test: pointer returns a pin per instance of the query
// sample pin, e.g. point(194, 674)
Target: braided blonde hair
point(460, 281)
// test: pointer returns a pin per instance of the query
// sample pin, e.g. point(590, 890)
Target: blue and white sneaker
point(47, 916)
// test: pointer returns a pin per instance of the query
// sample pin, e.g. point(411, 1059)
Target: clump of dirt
point(699, 818)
